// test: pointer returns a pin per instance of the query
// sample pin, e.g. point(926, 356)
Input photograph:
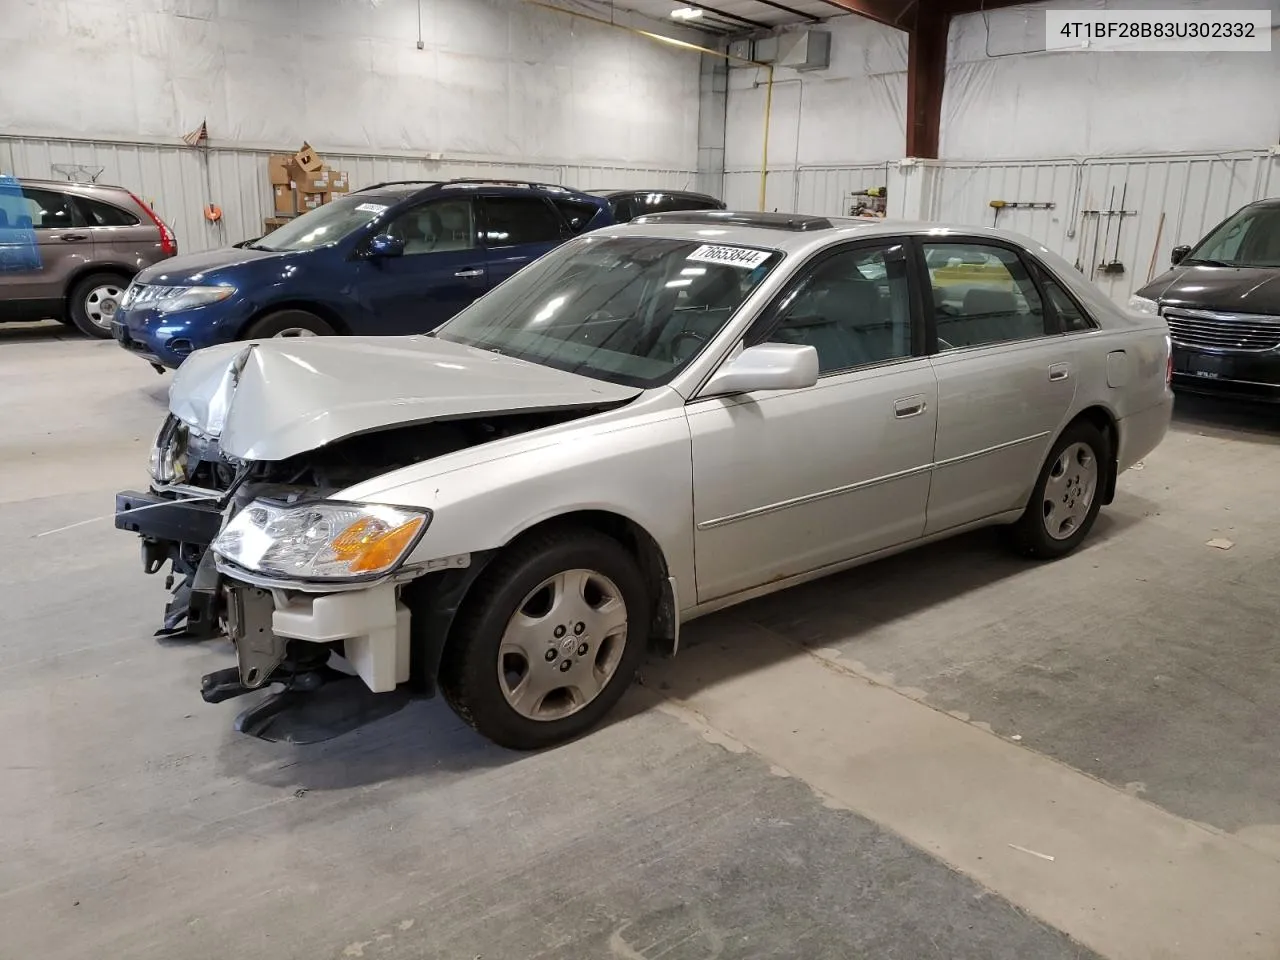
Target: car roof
point(397, 190)
point(793, 233)
point(612, 194)
point(69, 185)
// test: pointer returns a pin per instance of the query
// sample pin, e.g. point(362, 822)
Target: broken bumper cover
point(290, 640)
point(167, 519)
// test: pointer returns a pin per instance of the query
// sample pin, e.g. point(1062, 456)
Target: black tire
point(469, 671)
point(1030, 534)
point(279, 323)
point(88, 310)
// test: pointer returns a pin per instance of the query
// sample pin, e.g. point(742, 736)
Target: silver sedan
point(652, 422)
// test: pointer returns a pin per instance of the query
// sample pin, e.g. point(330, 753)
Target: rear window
point(99, 214)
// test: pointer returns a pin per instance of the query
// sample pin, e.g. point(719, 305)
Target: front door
point(517, 231)
point(1006, 380)
point(793, 481)
point(441, 271)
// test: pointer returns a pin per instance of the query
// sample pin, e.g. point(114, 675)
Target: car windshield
point(1251, 238)
point(629, 310)
point(323, 225)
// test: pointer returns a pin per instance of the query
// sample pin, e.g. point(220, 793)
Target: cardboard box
point(338, 182)
point(307, 159)
point(278, 168)
point(314, 181)
point(273, 223)
point(309, 201)
point(284, 199)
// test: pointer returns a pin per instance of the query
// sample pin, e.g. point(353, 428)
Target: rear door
point(62, 244)
point(441, 271)
point(518, 230)
point(1006, 378)
point(120, 237)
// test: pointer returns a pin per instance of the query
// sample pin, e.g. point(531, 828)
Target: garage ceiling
point(738, 16)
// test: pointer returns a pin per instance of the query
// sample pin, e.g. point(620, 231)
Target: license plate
point(1210, 368)
point(1207, 374)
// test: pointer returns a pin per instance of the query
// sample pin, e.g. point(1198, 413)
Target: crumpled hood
point(273, 399)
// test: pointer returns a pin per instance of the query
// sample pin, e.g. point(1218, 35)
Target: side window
point(981, 294)
point(853, 308)
point(516, 220)
point(441, 226)
point(577, 213)
point(1070, 316)
point(99, 214)
point(47, 210)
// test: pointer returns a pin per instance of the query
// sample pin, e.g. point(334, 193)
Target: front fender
point(636, 465)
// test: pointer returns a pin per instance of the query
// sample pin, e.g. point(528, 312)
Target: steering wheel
point(673, 348)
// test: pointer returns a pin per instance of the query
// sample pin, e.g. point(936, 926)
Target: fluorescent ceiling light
point(686, 13)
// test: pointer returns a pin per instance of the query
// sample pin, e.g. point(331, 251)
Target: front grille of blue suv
point(394, 258)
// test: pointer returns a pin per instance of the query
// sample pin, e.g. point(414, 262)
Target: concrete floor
point(951, 753)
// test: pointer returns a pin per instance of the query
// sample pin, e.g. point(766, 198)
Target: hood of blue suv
point(207, 267)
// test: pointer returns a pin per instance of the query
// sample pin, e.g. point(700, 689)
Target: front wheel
point(288, 323)
point(549, 639)
point(1066, 500)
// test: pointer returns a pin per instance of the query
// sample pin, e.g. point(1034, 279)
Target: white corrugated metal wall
point(179, 180)
point(1193, 192)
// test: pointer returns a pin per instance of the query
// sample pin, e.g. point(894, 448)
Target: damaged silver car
point(650, 423)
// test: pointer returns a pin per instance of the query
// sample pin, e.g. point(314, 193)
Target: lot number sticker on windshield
point(730, 256)
point(371, 207)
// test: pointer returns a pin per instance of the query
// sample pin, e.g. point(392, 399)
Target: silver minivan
point(68, 250)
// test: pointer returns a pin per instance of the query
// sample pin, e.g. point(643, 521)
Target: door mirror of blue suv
point(385, 245)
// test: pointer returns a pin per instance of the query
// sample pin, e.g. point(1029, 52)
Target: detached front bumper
point(178, 530)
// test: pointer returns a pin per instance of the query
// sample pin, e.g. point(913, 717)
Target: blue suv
point(394, 258)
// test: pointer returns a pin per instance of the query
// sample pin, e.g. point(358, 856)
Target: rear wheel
point(1067, 495)
point(549, 639)
point(93, 303)
point(288, 323)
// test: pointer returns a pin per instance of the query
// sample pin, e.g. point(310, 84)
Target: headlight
point(168, 463)
point(325, 540)
point(175, 299)
point(1142, 305)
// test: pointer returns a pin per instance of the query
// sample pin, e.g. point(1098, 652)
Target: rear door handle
point(469, 273)
point(910, 406)
point(1059, 371)
point(74, 236)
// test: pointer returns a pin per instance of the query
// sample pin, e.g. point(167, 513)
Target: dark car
point(1222, 303)
point(68, 250)
point(395, 258)
point(626, 205)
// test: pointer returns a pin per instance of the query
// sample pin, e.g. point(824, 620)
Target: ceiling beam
point(892, 13)
point(791, 10)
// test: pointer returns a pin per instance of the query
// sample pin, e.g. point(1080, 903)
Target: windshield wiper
point(1210, 263)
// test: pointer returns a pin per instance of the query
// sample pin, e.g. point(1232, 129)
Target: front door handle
point(469, 273)
point(1059, 371)
point(910, 406)
point(74, 236)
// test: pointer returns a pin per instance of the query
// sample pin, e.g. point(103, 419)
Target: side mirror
point(768, 366)
point(385, 245)
point(1179, 254)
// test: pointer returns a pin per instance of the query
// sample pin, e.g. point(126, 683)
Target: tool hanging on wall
point(999, 205)
point(1115, 268)
point(871, 202)
point(1101, 241)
